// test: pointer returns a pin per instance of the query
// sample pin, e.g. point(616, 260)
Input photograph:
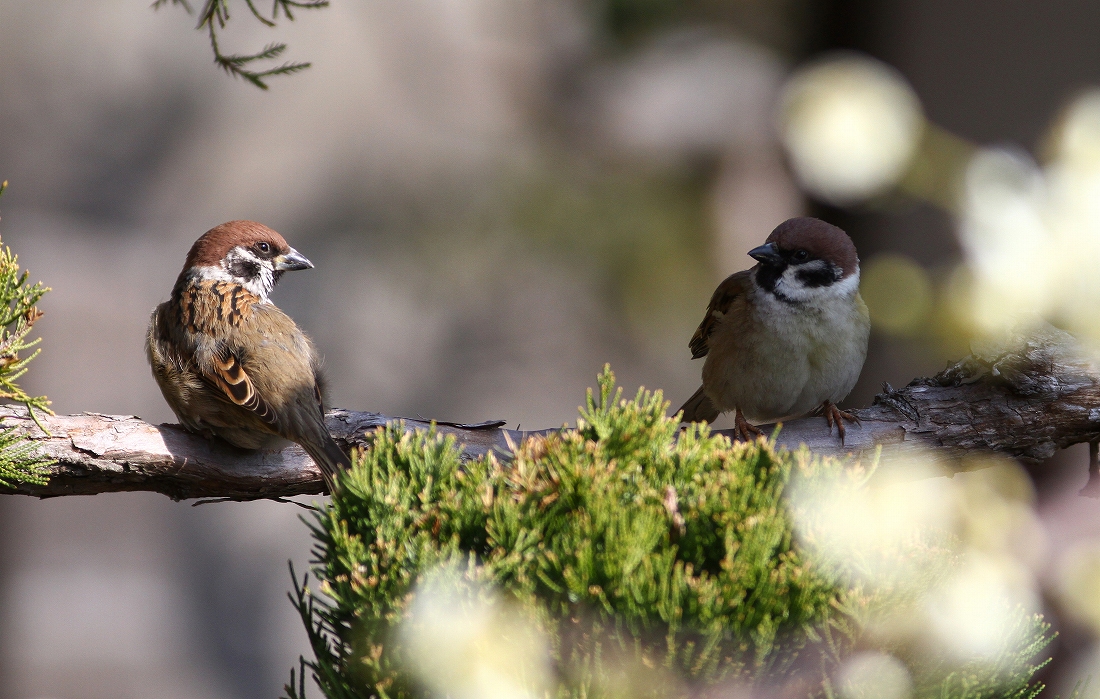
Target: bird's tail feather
point(699, 408)
point(329, 457)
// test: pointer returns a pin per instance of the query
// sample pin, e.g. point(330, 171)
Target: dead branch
point(1025, 399)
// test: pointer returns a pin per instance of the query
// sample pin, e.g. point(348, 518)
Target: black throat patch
point(767, 276)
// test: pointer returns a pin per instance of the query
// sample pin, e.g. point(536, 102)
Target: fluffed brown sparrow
point(786, 337)
point(228, 361)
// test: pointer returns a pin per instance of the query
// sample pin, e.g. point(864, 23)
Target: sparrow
point(231, 364)
point(786, 337)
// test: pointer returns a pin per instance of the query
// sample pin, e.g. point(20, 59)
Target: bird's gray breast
point(791, 358)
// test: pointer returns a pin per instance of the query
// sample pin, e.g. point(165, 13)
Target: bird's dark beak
point(767, 253)
point(292, 260)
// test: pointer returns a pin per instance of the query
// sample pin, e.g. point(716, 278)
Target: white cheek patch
point(850, 284)
point(790, 287)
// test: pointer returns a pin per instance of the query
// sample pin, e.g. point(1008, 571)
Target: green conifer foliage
point(652, 565)
point(19, 461)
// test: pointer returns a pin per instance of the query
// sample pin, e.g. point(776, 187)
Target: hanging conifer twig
point(215, 15)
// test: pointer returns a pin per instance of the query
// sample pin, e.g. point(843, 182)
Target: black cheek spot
point(817, 276)
point(244, 269)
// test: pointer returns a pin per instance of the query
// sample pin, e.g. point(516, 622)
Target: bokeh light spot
point(1078, 583)
point(851, 125)
point(898, 293)
point(972, 614)
point(873, 675)
point(466, 642)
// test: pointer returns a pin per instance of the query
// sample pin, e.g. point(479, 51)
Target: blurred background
point(500, 196)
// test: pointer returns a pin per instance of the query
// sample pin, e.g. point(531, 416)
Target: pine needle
point(19, 461)
point(215, 15)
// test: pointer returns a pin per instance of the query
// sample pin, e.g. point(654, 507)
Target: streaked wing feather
point(720, 302)
point(231, 378)
point(320, 400)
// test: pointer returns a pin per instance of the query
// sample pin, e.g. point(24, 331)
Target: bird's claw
point(834, 415)
point(745, 430)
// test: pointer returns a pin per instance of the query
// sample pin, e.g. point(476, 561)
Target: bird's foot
point(745, 430)
point(834, 415)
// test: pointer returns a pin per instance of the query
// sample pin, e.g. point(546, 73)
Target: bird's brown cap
point(212, 247)
point(822, 240)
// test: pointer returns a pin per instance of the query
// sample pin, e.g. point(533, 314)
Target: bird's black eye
point(800, 255)
point(264, 248)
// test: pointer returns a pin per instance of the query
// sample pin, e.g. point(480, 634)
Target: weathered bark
point(98, 453)
point(1025, 399)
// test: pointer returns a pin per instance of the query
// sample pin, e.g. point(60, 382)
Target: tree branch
point(1025, 399)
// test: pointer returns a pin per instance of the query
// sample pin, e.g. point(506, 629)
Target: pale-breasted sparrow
point(228, 361)
point(786, 337)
